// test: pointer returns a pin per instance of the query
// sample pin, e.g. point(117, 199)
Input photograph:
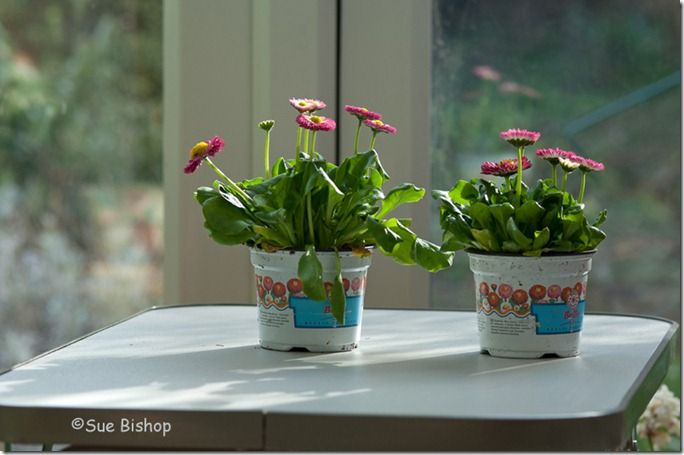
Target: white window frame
point(231, 63)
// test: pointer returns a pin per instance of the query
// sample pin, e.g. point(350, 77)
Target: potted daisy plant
point(311, 226)
point(530, 249)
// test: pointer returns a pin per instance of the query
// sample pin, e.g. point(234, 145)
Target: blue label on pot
point(556, 318)
point(314, 314)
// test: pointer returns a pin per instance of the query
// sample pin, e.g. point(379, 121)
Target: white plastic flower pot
point(288, 319)
point(530, 306)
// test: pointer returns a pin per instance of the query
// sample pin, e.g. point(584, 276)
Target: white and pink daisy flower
point(304, 105)
point(552, 155)
point(519, 137)
point(587, 165)
point(316, 122)
point(362, 113)
point(378, 126)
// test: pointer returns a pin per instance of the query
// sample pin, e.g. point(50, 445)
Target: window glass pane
point(80, 168)
point(597, 77)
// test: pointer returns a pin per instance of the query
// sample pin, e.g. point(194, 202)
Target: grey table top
point(417, 382)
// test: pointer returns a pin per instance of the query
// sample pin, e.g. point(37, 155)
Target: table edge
point(624, 415)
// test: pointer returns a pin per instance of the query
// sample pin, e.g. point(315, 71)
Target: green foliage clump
point(311, 205)
point(479, 215)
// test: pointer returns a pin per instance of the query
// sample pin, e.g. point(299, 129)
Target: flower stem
point(267, 161)
point(554, 177)
point(313, 144)
point(245, 197)
point(356, 137)
point(298, 146)
point(306, 141)
point(310, 217)
point(518, 183)
point(583, 184)
point(372, 141)
point(508, 183)
point(565, 181)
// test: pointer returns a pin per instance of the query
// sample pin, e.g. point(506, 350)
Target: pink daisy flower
point(202, 150)
point(504, 168)
point(552, 155)
point(568, 164)
point(489, 168)
point(378, 126)
point(307, 104)
point(362, 113)
point(587, 165)
point(509, 167)
point(486, 73)
point(316, 122)
point(520, 138)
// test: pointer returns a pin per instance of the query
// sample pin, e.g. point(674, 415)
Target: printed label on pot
point(506, 326)
point(314, 314)
point(554, 318)
point(541, 310)
point(272, 317)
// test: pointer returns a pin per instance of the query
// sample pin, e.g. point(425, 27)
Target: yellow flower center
point(378, 122)
point(316, 119)
point(302, 103)
point(199, 149)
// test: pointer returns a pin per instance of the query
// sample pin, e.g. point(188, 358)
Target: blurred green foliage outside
point(541, 65)
point(80, 168)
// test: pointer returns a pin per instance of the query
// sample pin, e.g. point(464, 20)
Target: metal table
point(193, 377)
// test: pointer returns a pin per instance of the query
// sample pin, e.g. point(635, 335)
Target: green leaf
point(250, 182)
point(327, 180)
point(597, 236)
point(382, 236)
point(451, 242)
point(406, 221)
point(572, 224)
point(463, 193)
point(404, 251)
point(223, 217)
point(509, 246)
point(430, 257)
point(601, 218)
point(529, 213)
point(403, 194)
point(501, 213)
point(485, 238)
point(310, 271)
point(226, 239)
point(457, 229)
point(203, 193)
point(229, 197)
point(337, 297)
point(516, 235)
point(378, 165)
point(272, 217)
point(480, 212)
point(280, 167)
point(272, 236)
point(376, 178)
point(541, 238)
point(444, 198)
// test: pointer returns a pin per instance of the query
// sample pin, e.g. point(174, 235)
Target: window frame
point(287, 49)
